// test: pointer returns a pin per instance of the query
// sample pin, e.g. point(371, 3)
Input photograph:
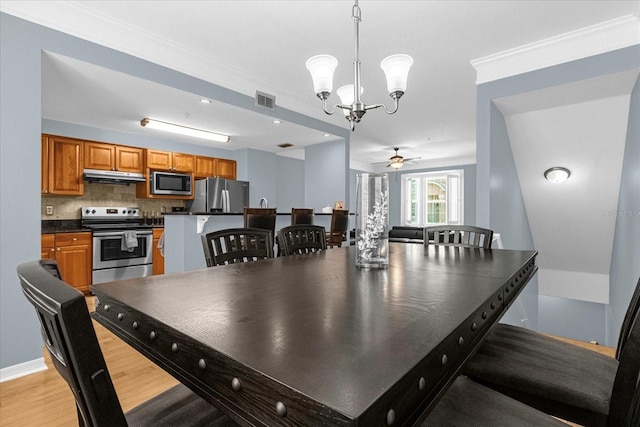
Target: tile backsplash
point(68, 207)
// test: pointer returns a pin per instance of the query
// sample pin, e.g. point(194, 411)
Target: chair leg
point(81, 422)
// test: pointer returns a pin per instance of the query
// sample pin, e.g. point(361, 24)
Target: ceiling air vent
point(285, 145)
point(265, 100)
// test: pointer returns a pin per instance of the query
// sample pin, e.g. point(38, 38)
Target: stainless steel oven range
point(122, 246)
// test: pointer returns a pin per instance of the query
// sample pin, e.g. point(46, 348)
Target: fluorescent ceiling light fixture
point(184, 130)
point(557, 174)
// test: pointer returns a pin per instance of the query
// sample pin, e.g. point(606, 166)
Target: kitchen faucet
point(264, 203)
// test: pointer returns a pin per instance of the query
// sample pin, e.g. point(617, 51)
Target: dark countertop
point(62, 226)
point(68, 226)
point(232, 213)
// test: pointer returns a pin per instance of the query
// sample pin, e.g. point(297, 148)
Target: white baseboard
point(22, 369)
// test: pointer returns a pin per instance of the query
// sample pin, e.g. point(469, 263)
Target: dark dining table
point(313, 339)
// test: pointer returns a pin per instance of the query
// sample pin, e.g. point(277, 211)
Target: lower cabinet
point(158, 258)
point(73, 252)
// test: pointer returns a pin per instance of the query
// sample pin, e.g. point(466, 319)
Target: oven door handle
point(119, 233)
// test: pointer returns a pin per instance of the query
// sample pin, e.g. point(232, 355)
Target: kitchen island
point(182, 242)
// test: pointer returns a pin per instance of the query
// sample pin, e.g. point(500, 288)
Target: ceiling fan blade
point(412, 158)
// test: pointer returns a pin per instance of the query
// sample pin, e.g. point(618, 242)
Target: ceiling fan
point(396, 161)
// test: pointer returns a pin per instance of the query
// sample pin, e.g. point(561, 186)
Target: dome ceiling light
point(557, 174)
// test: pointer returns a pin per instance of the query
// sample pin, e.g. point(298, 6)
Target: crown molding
point(589, 41)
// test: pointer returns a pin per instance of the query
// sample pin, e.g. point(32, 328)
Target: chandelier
point(322, 67)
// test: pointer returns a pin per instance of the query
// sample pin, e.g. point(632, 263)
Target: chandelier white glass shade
point(322, 67)
point(557, 175)
point(345, 93)
point(184, 130)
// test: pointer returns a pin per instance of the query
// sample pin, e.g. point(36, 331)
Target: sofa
point(405, 234)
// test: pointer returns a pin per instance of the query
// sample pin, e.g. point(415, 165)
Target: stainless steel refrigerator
point(220, 195)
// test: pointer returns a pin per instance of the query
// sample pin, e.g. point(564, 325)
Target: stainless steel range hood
point(112, 177)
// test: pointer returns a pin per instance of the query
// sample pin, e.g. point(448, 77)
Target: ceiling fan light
point(322, 68)
point(557, 174)
point(183, 130)
point(396, 164)
point(396, 70)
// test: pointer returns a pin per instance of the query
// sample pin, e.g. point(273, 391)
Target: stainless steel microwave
point(170, 183)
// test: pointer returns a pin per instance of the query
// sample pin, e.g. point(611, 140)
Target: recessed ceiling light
point(205, 101)
point(285, 145)
point(277, 122)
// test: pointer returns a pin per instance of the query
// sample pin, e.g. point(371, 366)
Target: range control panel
point(123, 212)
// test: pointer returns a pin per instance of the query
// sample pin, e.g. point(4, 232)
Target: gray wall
point(625, 260)
point(289, 183)
point(499, 198)
point(22, 44)
point(261, 175)
point(509, 217)
point(326, 174)
point(19, 187)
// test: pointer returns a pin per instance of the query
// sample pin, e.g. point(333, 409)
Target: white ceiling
point(263, 45)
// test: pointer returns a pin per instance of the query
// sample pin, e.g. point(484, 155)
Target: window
point(432, 198)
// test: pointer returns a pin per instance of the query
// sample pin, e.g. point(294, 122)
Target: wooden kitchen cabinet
point(62, 166)
point(158, 258)
point(73, 252)
point(226, 168)
point(102, 156)
point(211, 166)
point(206, 166)
point(166, 160)
point(48, 246)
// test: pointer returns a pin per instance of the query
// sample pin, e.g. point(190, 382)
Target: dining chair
point(467, 403)
point(235, 245)
point(302, 216)
point(69, 337)
point(466, 236)
point(570, 382)
point(339, 226)
point(302, 239)
point(261, 218)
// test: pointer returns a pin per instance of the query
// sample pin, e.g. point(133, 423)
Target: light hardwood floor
point(44, 399)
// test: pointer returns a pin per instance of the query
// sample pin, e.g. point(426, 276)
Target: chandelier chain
point(356, 13)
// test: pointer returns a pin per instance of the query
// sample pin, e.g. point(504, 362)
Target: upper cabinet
point(113, 157)
point(62, 166)
point(226, 169)
point(211, 166)
point(205, 166)
point(166, 160)
point(64, 160)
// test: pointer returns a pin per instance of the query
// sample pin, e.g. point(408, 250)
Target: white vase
point(372, 220)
